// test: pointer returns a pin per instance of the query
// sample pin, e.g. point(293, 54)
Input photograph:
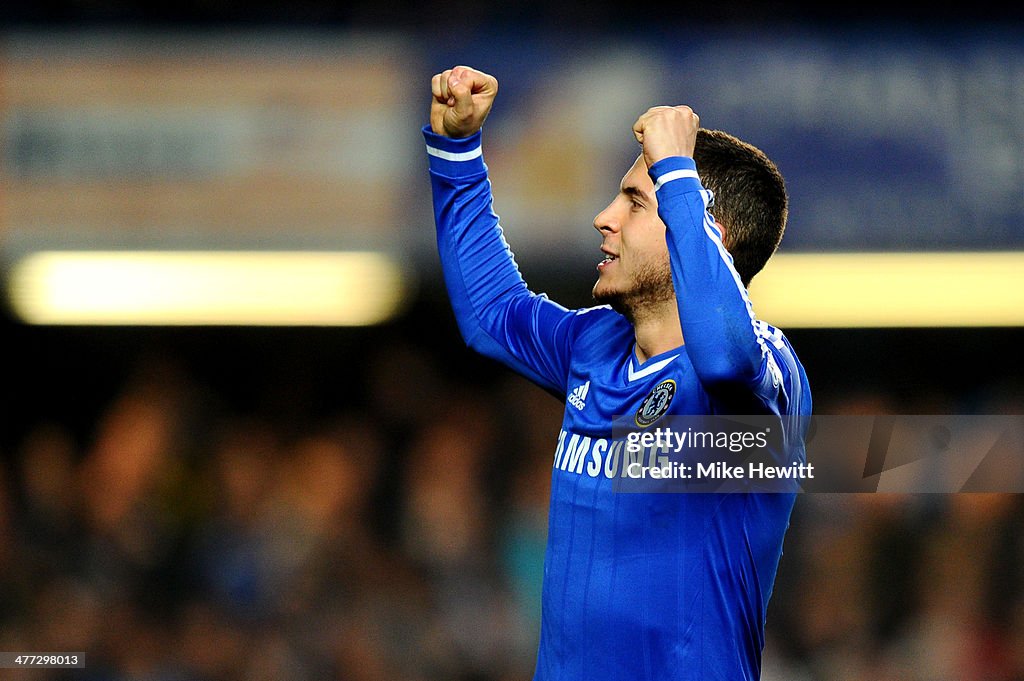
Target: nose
point(606, 222)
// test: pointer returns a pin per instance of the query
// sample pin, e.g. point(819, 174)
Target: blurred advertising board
point(889, 140)
point(131, 139)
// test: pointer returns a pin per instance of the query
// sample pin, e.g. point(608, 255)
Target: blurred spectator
point(448, 531)
point(401, 538)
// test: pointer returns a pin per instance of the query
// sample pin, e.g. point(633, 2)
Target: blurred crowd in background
point(398, 535)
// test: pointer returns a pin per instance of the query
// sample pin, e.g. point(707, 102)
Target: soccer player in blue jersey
point(638, 586)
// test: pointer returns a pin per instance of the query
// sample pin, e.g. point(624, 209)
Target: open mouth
point(608, 257)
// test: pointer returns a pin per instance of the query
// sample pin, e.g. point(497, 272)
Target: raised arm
point(497, 314)
point(734, 355)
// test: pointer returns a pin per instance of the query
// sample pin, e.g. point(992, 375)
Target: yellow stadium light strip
point(845, 290)
point(258, 288)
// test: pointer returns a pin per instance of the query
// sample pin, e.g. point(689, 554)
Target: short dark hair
point(750, 198)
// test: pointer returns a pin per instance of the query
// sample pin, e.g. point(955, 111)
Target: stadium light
point(258, 288)
point(845, 290)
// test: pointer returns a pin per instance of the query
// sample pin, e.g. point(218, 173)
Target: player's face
point(635, 269)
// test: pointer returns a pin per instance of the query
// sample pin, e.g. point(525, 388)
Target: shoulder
point(769, 333)
point(775, 338)
point(600, 324)
point(599, 317)
point(783, 356)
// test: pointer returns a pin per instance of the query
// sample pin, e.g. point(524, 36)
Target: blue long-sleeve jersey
point(637, 586)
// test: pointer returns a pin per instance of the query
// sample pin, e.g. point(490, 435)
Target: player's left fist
point(462, 98)
point(665, 131)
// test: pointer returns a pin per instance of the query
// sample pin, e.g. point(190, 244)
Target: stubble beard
point(646, 295)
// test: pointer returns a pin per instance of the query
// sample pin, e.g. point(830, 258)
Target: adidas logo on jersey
point(578, 397)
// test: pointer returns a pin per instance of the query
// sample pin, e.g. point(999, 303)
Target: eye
point(635, 205)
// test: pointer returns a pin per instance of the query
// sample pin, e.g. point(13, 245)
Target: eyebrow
point(635, 192)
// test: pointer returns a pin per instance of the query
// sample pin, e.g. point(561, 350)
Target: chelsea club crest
point(656, 404)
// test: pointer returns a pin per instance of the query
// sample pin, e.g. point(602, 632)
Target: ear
point(724, 231)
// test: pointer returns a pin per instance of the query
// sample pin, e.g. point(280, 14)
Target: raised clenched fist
point(665, 131)
point(462, 98)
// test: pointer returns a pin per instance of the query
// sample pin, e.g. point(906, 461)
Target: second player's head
point(750, 207)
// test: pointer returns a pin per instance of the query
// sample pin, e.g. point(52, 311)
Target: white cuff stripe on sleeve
point(674, 175)
point(456, 156)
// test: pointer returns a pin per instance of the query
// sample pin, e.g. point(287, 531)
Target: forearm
point(715, 314)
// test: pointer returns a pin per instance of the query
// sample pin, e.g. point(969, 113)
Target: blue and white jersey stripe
point(456, 155)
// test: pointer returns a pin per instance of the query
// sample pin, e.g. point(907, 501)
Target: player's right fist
point(462, 98)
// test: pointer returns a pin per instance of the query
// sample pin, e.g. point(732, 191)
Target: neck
point(657, 329)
